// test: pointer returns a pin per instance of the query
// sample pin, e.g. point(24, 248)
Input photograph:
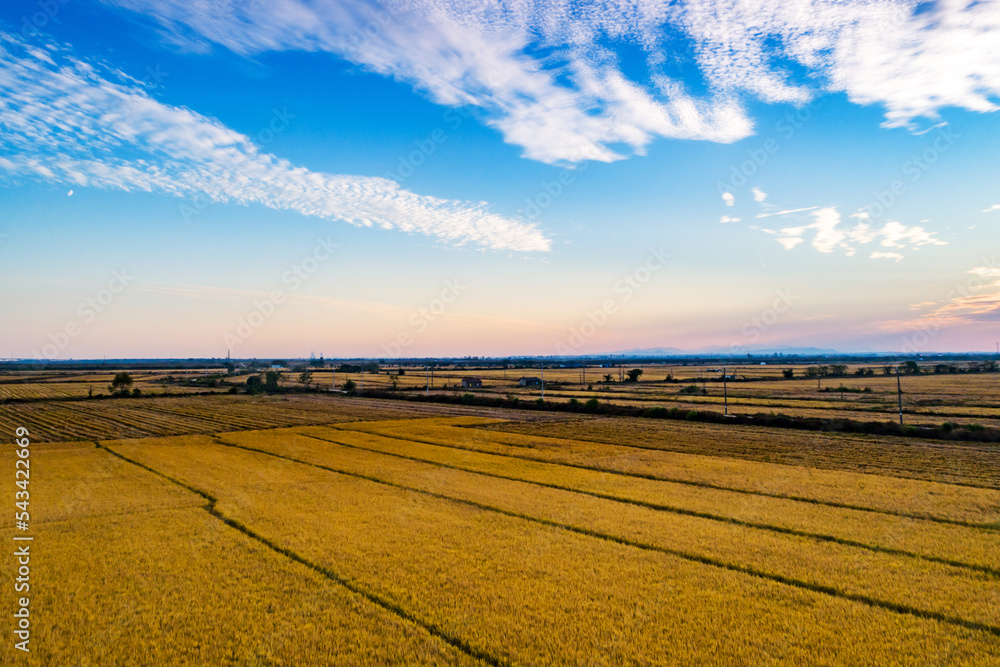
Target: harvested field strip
point(951, 545)
point(368, 595)
point(971, 464)
point(525, 590)
point(974, 507)
point(100, 605)
point(893, 582)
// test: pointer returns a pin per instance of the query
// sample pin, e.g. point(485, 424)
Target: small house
point(530, 382)
point(472, 383)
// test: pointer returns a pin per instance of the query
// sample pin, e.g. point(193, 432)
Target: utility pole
point(725, 389)
point(361, 387)
point(428, 379)
point(899, 392)
point(543, 380)
point(333, 386)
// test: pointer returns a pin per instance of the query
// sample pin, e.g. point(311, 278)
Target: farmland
point(336, 529)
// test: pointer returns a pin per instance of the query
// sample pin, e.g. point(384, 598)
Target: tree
point(254, 384)
point(888, 370)
point(350, 386)
point(305, 377)
point(812, 371)
point(607, 378)
point(394, 379)
point(911, 368)
point(271, 381)
point(838, 370)
point(789, 373)
point(633, 375)
point(121, 385)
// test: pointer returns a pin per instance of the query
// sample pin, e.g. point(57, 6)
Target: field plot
point(217, 596)
point(323, 530)
point(938, 461)
point(137, 418)
point(524, 591)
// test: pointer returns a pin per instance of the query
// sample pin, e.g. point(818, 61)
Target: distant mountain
point(725, 351)
point(653, 352)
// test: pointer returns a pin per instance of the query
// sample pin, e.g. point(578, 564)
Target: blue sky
point(279, 179)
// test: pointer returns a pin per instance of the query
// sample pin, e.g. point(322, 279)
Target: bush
point(692, 389)
point(350, 385)
point(591, 406)
point(947, 427)
point(691, 416)
point(136, 393)
point(975, 427)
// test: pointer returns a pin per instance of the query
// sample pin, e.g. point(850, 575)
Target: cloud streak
point(82, 124)
point(548, 75)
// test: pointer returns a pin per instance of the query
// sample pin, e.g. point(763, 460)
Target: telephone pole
point(899, 393)
point(725, 389)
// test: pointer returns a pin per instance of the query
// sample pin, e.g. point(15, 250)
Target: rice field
point(325, 530)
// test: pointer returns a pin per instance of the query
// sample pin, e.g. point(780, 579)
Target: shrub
point(691, 416)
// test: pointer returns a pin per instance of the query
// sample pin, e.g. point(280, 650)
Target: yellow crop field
point(881, 493)
point(131, 569)
point(911, 582)
point(311, 529)
point(527, 592)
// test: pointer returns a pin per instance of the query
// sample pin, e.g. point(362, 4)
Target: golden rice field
point(319, 530)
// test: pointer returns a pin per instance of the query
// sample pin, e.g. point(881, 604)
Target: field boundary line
point(819, 537)
point(705, 560)
point(706, 485)
point(388, 605)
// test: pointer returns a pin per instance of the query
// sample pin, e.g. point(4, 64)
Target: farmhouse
point(530, 382)
point(472, 383)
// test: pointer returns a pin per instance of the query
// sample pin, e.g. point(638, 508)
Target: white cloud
point(574, 102)
point(727, 218)
point(68, 122)
point(758, 195)
point(786, 212)
point(728, 198)
point(828, 235)
point(995, 207)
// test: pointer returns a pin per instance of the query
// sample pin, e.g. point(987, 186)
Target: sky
point(197, 178)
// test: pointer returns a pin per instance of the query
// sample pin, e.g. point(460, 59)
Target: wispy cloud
point(786, 212)
point(828, 235)
point(758, 195)
point(575, 103)
point(728, 218)
point(995, 207)
point(71, 122)
point(728, 198)
point(975, 301)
